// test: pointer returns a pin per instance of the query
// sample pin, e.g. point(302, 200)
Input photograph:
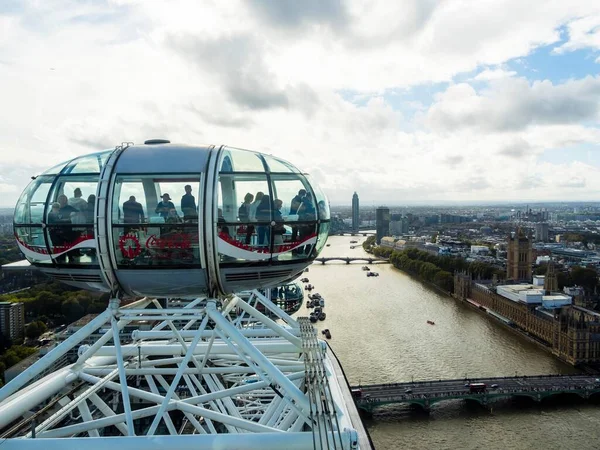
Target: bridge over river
point(427, 393)
point(348, 260)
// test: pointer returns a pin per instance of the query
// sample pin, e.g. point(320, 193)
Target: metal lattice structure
point(209, 374)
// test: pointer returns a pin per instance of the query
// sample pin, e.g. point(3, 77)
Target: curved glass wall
point(54, 217)
point(266, 211)
point(155, 221)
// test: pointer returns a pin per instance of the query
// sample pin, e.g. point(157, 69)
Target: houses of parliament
point(533, 306)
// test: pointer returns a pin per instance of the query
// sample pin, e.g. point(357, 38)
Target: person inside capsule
point(163, 207)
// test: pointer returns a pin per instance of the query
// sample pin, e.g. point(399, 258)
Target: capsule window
point(155, 221)
point(264, 218)
point(70, 217)
point(31, 204)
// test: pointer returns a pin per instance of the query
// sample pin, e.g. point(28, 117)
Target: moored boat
point(431, 322)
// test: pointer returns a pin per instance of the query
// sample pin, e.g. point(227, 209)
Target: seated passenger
point(64, 213)
point(53, 215)
point(173, 217)
point(163, 207)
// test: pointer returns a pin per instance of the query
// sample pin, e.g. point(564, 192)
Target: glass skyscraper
point(383, 222)
point(355, 213)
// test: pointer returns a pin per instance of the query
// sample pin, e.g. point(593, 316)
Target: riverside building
point(571, 332)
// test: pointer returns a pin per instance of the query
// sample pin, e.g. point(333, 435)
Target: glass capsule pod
point(172, 220)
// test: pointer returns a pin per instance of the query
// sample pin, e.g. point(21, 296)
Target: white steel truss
point(210, 373)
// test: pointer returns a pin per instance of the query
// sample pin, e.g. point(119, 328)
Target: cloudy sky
point(404, 101)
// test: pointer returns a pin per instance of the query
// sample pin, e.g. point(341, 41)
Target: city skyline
point(486, 103)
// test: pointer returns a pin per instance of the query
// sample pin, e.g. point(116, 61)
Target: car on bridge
point(495, 386)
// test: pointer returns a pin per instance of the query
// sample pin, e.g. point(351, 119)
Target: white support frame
point(226, 368)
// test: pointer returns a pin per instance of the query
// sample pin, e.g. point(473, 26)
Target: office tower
point(518, 257)
point(12, 320)
point(541, 232)
point(382, 216)
point(355, 213)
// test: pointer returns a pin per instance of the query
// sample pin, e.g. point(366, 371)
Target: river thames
point(380, 334)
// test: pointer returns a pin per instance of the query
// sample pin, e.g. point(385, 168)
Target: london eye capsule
point(162, 219)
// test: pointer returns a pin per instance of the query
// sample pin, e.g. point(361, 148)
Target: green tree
point(32, 330)
point(72, 310)
point(584, 276)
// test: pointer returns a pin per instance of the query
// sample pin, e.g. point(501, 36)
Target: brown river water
point(380, 334)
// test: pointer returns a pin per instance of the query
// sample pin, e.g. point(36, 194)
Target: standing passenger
point(263, 214)
point(77, 201)
point(89, 210)
point(133, 212)
point(188, 205)
point(244, 216)
point(278, 228)
point(294, 205)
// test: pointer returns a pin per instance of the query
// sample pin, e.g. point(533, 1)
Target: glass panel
point(89, 163)
point(168, 244)
point(70, 218)
point(322, 238)
point(71, 244)
point(156, 199)
point(290, 190)
point(56, 169)
point(30, 207)
point(243, 217)
point(322, 203)
point(278, 165)
point(31, 242)
point(73, 201)
point(235, 160)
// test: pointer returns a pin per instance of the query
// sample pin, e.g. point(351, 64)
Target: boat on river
point(327, 333)
point(431, 322)
point(372, 274)
point(366, 268)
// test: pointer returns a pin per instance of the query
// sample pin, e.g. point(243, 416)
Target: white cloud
point(514, 104)
point(80, 76)
point(584, 32)
point(494, 74)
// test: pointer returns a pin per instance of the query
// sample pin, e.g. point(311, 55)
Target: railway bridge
point(427, 393)
point(349, 260)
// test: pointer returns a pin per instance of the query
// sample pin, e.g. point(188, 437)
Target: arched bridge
point(348, 260)
point(354, 233)
point(427, 393)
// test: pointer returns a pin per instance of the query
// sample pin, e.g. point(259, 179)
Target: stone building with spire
point(538, 310)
